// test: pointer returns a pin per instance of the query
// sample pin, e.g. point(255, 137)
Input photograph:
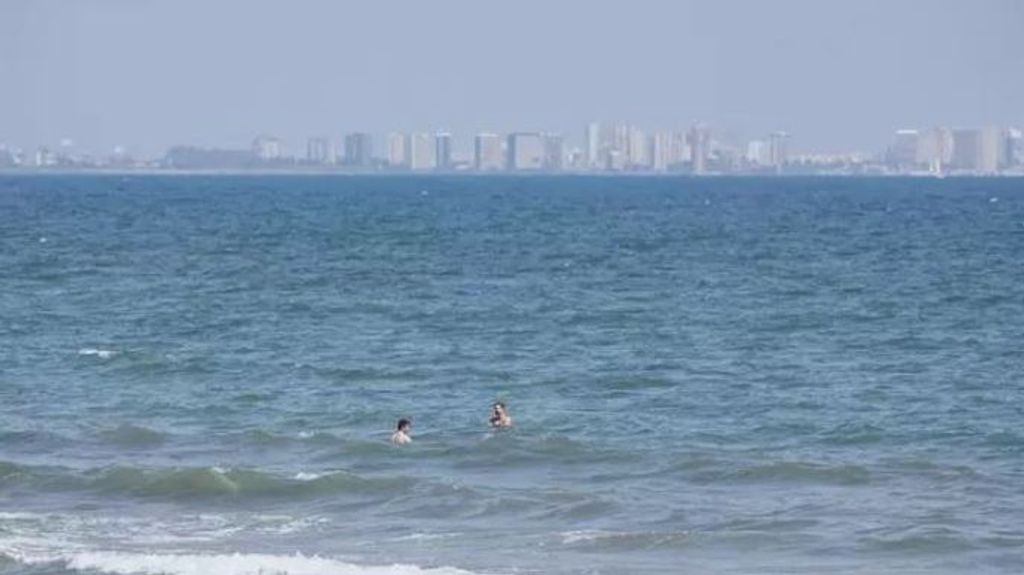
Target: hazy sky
point(839, 74)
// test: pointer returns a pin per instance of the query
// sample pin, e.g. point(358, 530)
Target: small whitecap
point(426, 536)
point(570, 537)
point(307, 476)
point(100, 353)
point(993, 200)
point(42, 240)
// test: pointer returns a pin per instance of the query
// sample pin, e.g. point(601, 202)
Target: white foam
point(29, 532)
point(307, 476)
point(16, 515)
point(36, 531)
point(426, 536)
point(570, 537)
point(100, 353)
point(118, 562)
point(650, 538)
point(283, 524)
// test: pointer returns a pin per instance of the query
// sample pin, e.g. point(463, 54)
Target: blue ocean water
point(199, 375)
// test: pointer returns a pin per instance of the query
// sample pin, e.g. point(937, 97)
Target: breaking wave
point(128, 563)
point(193, 482)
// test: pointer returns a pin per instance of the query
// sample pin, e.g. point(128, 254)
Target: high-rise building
point(267, 148)
point(903, 152)
point(576, 160)
point(636, 149)
point(679, 151)
point(319, 151)
point(1014, 148)
point(992, 152)
point(660, 151)
point(757, 153)
point(421, 151)
point(443, 150)
point(487, 152)
point(554, 152)
point(592, 141)
point(619, 141)
point(359, 149)
point(525, 151)
point(935, 149)
point(725, 159)
point(397, 156)
point(966, 149)
point(614, 160)
point(979, 150)
point(699, 140)
point(626, 143)
point(778, 150)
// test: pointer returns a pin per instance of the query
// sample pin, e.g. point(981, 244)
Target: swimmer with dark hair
point(401, 435)
point(499, 416)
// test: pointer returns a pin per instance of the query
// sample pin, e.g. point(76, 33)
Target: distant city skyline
point(840, 76)
point(606, 148)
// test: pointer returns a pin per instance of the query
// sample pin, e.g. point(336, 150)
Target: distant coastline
point(292, 171)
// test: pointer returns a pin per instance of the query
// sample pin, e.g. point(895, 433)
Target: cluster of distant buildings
point(606, 148)
point(64, 156)
point(989, 150)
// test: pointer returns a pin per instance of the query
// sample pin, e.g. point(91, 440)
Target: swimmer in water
point(499, 415)
point(401, 435)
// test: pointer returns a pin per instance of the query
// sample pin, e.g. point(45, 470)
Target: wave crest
point(128, 435)
point(126, 563)
point(805, 472)
point(214, 481)
point(200, 482)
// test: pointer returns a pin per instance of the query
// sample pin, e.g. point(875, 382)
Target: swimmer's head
point(403, 425)
point(499, 415)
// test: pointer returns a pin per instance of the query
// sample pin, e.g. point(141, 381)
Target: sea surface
point(199, 375)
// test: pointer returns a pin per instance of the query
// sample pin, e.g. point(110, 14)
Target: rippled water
point(198, 375)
